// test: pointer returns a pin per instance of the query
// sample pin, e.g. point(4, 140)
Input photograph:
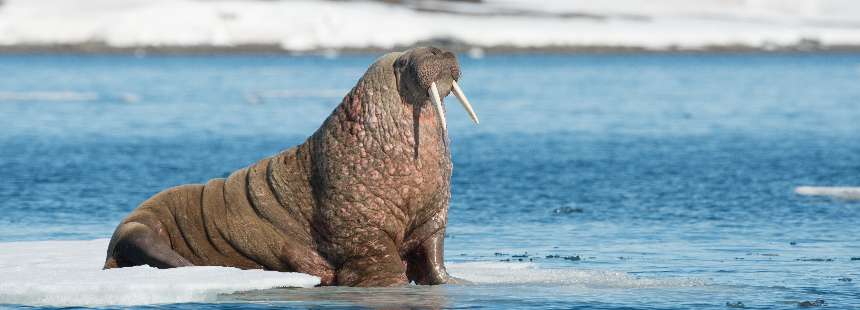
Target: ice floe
point(69, 273)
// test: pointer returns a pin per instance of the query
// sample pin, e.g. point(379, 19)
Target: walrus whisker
point(437, 103)
point(465, 102)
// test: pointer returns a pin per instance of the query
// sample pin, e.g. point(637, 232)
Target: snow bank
point(315, 25)
point(811, 12)
point(68, 273)
point(849, 193)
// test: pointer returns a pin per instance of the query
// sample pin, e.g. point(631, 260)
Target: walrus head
point(428, 74)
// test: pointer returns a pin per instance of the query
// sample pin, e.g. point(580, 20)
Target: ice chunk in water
point(842, 192)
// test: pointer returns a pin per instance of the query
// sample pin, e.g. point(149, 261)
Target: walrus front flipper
point(138, 244)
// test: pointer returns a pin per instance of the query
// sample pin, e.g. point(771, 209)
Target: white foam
point(260, 97)
point(843, 192)
point(48, 96)
point(530, 273)
point(69, 273)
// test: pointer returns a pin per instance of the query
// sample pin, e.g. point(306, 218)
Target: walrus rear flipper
point(137, 244)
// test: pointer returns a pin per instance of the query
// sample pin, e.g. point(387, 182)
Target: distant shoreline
point(329, 28)
point(274, 49)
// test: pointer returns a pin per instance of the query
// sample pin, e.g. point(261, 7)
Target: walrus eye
point(465, 101)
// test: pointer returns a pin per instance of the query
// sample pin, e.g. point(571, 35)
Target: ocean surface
point(592, 182)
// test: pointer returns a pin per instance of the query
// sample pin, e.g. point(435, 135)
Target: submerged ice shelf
point(530, 273)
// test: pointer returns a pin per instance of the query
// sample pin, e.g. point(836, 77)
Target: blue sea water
point(676, 168)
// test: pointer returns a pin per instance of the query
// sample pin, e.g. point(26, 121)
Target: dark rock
point(855, 258)
point(553, 256)
point(735, 305)
point(809, 304)
point(573, 258)
point(793, 243)
point(815, 259)
point(845, 279)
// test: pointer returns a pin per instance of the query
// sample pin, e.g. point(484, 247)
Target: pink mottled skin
point(363, 202)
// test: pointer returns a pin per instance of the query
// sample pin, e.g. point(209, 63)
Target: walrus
point(362, 202)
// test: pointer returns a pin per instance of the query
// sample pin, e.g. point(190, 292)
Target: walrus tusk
point(437, 103)
point(465, 101)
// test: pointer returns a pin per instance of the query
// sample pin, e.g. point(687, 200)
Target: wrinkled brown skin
point(363, 202)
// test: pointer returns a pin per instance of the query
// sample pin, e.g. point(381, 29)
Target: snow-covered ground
point(322, 25)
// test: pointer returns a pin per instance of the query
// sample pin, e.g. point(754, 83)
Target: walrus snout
point(422, 66)
point(444, 71)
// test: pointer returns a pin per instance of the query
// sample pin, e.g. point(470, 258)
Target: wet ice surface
point(670, 177)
